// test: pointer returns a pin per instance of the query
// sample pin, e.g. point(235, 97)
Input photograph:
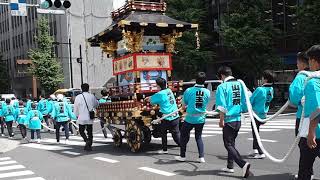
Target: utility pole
point(70, 59)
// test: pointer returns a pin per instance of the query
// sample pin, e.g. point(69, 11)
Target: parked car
point(7, 96)
point(68, 93)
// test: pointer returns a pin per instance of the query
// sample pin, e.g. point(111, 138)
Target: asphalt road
point(50, 161)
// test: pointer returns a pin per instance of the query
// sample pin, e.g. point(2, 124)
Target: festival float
point(141, 40)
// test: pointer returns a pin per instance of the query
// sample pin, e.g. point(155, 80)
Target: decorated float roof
point(153, 23)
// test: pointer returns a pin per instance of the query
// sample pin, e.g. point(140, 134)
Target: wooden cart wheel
point(146, 135)
point(134, 137)
point(117, 138)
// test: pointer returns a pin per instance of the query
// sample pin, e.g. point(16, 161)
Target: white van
point(7, 96)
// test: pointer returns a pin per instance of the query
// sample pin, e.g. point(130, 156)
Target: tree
point(4, 76)
point(309, 23)
point(249, 36)
point(188, 58)
point(46, 68)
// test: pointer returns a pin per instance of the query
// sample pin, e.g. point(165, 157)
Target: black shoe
point(87, 148)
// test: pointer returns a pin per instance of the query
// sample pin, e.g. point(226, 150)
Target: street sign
point(51, 11)
point(18, 7)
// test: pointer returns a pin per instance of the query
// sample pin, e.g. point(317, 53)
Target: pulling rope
point(157, 121)
point(251, 115)
point(283, 108)
point(48, 128)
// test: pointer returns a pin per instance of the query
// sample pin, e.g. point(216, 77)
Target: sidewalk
point(7, 145)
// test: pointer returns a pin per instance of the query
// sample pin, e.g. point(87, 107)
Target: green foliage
point(188, 59)
point(4, 76)
point(309, 23)
point(246, 33)
point(46, 68)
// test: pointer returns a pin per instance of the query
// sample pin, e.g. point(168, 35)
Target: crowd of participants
point(29, 114)
point(230, 103)
point(54, 114)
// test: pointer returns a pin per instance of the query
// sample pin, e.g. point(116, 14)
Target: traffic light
point(46, 4)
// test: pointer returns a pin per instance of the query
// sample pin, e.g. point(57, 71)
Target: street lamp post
point(79, 60)
point(70, 59)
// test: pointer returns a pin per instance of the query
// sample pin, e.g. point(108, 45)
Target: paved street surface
point(51, 161)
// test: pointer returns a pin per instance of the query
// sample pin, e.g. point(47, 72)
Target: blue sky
point(118, 3)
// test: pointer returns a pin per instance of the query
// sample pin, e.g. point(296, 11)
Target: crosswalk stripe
point(101, 135)
point(218, 132)
point(203, 135)
point(71, 153)
point(156, 171)
point(74, 143)
point(106, 160)
point(242, 129)
point(159, 139)
point(34, 178)
point(7, 162)
point(280, 124)
point(269, 130)
point(209, 132)
point(5, 168)
point(249, 125)
point(272, 121)
point(5, 158)
point(46, 147)
point(278, 127)
point(104, 140)
point(264, 140)
point(15, 174)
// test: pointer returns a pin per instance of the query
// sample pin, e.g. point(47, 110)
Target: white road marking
point(106, 160)
point(5, 168)
point(269, 130)
point(159, 139)
point(101, 135)
point(75, 137)
point(272, 121)
point(35, 178)
point(15, 174)
point(277, 127)
point(7, 162)
point(107, 140)
point(193, 135)
point(70, 143)
point(156, 171)
point(94, 139)
point(71, 153)
point(264, 140)
point(209, 132)
point(5, 158)
point(241, 129)
point(46, 147)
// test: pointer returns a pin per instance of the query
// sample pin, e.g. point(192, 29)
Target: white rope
point(157, 121)
point(310, 75)
point(75, 125)
point(46, 127)
point(283, 108)
point(268, 155)
point(212, 113)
